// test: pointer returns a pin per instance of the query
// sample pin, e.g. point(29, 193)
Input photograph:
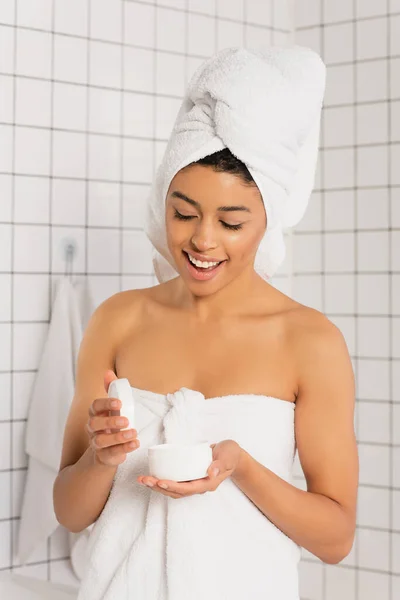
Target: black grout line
point(12, 256)
point(356, 568)
point(154, 105)
point(171, 96)
point(121, 153)
point(322, 241)
point(356, 302)
point(354, 20)
point(158, 95)
point(87, 104)
point(122, 136)
point(135, 182)
point(390, 341)
point(31, 563)
point(272, 20)
point(213, 17)
point(351, 63)
point(50, 200)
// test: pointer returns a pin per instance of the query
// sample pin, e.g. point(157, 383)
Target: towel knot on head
point(265, 106)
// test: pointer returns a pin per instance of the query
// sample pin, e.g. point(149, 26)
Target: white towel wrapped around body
point(218, 545)
point(265, 106)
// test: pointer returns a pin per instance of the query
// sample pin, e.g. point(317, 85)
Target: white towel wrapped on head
point(265, 106)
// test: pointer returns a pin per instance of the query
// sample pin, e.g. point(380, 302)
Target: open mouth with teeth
point(202, 266)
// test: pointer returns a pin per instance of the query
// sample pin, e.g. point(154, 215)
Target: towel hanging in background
point(265, 106)
point(52, 394)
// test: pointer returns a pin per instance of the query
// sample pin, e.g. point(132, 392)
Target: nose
point(203, 243)
point(204, 236)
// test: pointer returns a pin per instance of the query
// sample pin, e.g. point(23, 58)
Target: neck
point(229, 300)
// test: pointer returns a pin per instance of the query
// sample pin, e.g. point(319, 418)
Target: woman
point(223, 332)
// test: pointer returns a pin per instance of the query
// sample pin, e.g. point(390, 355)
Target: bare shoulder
point(122, 308)
point(124, 311)
point(121, 301)
point(311, 327)
point(319, 348)
point(113, 319)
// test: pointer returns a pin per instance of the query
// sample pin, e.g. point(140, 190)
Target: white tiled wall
point(89, 90)
point(353, 226)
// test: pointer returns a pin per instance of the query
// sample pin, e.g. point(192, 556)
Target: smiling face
point(216, 215)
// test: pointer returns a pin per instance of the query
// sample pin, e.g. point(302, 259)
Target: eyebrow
point(182, 196)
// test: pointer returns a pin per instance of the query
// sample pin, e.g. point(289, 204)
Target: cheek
point(243, 245)
point(176, 234)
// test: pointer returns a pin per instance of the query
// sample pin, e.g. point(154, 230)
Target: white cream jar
point(180, 462)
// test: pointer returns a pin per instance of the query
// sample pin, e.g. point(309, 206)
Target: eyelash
point(186, 218)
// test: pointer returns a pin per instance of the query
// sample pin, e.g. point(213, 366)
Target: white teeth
point(203, 265)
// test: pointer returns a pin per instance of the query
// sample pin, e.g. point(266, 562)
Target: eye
point(178, 215)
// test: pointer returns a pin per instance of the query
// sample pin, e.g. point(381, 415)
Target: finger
point(146, 480)
point(153, 483)
point(109, 376)
point(105, 440)
point(100, 405)
point(185, 488)
point(114, 455)
point(98, 423)
point(214, 469)
point(118, 449)
point(149, 480)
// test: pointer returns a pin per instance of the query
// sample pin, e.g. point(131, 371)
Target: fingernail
point(114, 403)
point(215, 472)
point(163, 485)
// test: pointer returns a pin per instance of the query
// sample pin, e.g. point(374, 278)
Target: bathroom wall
point(89, 91)
point(347, 264)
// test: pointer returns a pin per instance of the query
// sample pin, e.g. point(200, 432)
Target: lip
point(202, 275)
point(203, 258)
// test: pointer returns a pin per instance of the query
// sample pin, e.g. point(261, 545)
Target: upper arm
point(96, 354)
point(324, 418)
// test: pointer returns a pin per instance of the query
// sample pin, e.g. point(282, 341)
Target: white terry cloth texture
point(217, 545)
point(52, 394)
point(265, 106)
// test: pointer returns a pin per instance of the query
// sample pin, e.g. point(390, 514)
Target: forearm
point(312, 520)
point(80, 492)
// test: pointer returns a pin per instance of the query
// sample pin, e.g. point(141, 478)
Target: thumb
point(214, 469)
point(108, 378)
